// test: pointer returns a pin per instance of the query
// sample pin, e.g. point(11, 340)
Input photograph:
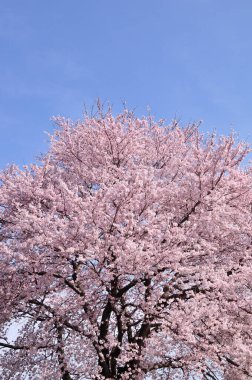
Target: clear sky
point(190, 59)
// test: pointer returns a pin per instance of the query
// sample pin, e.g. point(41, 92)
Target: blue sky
point(190, 59)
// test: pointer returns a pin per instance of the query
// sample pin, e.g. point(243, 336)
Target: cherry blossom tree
point(126, 254)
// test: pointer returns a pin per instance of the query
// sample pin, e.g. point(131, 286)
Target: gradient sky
point(189, 59)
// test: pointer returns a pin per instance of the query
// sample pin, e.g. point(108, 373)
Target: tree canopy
point(126, 254)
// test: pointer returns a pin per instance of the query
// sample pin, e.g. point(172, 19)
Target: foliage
point(126, 254)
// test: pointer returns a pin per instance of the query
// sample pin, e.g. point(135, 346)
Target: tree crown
point(126, 254)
